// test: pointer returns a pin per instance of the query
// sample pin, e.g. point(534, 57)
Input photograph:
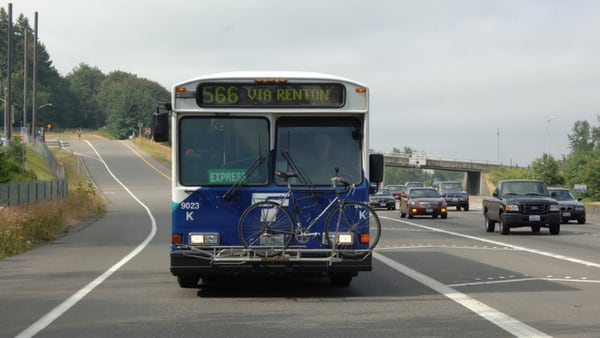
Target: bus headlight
point(342, 238)
point(345, 238)
point(204, 239)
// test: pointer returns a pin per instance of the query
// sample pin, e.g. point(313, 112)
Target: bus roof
point(299, 75)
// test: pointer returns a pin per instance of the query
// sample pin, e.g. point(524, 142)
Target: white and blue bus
point(240, 138)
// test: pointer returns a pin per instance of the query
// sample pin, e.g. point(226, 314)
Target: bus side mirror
point(376, 168)
point(161, 124)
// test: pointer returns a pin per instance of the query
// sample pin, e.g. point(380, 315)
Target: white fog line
point(519, 280)
point(521, 248)
point(58, 311)
point(504, 321)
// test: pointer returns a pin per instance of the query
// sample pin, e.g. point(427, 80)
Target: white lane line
point(521, 248)
point(505, 322)
point(518, 280)
point(58, 311)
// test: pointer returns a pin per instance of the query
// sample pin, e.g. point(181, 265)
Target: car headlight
point(511, 208)
point(554, 207)
point(580, 208)
point(412, 203)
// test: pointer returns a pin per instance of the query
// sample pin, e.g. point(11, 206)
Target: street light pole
point(548, 135)
point(498, 134)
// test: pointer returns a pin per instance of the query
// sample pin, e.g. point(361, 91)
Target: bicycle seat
point(285, 174)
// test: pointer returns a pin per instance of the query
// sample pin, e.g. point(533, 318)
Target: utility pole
point(24, 85)
point(8, 112)
point(34, 81)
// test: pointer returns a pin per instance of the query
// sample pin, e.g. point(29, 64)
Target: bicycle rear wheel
point(353, 229)
point(266, 228)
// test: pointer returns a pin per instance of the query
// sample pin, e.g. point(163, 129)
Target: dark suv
point(454, 194)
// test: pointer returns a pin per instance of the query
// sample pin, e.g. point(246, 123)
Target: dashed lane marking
point(498, 243)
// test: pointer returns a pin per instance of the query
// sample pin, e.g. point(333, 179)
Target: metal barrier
point(53, 165)
point(18, 193)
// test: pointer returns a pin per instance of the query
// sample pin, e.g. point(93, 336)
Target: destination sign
point(276, 95)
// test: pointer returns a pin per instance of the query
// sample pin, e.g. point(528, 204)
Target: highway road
point(431, 277)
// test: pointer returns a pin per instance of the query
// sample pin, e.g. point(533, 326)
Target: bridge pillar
point(473, 184)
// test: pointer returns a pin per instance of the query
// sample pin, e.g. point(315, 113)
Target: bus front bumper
point(232, 261)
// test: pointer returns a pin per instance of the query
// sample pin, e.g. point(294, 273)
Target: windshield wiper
point(295, 167)
point(247, 173)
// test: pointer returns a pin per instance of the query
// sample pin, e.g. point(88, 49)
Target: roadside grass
point(158, 151)
point(72, 134)
point(25, 227)
point(37, 163)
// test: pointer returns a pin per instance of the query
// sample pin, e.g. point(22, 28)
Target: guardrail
point(19, 193)
point(592, 210)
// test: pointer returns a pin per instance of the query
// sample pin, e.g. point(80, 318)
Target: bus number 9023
point(190, 205)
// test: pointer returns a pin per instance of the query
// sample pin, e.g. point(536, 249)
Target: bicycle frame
point(302, 232)
point(268, 227)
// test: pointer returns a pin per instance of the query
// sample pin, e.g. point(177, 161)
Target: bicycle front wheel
point(266, 228)
point(353, 229)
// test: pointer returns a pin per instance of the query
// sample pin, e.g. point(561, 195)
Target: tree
point(581, 139)
point(50, 83)
point(591, 175)
point(547, 169)
point(12, 160)
point(582, 165)
point(127, 100)
point(84, 82)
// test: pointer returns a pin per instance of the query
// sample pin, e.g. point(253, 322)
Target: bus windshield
point(318, 149)
point(223, 150)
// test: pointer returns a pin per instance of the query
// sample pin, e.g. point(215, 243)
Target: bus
point(232, 136)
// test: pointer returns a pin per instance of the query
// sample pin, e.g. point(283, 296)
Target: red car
point(423, 202)
point(397, 190)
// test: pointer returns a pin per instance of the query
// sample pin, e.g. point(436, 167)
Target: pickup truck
point(521, 203)
point(454, 194)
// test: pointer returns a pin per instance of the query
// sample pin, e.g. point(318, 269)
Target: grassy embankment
point(24, 227)
point(158, 151)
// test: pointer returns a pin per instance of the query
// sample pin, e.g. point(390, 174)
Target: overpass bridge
point(473, 180)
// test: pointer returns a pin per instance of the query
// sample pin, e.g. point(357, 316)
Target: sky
point(482, 80)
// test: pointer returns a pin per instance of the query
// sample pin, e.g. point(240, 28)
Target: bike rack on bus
point(230, 255)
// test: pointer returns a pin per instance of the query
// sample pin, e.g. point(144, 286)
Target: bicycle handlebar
point(335, 181)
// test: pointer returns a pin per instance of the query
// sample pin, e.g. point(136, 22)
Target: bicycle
point(267, 228)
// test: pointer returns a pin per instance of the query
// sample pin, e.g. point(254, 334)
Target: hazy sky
point(477, 80)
